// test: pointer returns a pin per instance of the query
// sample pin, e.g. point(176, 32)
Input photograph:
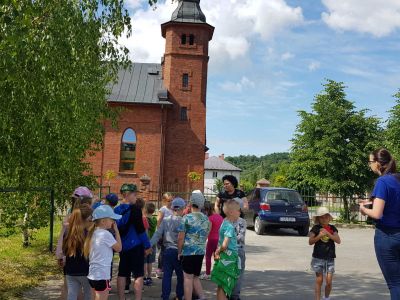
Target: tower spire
point(188, 11)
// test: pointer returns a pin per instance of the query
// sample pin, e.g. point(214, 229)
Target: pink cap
point(82, 191)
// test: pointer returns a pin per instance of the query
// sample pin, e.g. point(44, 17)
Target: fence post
point(51, 219)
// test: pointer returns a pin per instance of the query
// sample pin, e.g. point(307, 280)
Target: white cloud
point(287, 56)
point(376, 17)
point(314, 65)
point(237, 24)
point(239, 86)
point(133, 4)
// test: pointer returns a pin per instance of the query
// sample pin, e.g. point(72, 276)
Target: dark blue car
point(277, 208)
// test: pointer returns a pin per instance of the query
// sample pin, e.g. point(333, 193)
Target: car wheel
point(303, 231)
point(258, 226)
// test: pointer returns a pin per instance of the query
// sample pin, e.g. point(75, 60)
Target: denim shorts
point(323, 266)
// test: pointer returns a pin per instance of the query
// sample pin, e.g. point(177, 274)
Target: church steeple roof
point(188, 11)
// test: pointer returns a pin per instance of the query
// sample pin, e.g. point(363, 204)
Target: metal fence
point(336, 205)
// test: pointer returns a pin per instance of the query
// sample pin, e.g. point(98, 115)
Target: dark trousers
point(387, 250)
point(171, 264)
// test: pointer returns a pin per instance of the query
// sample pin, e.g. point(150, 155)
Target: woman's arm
point(216, 205)
point(245, 203)
point(377, 209)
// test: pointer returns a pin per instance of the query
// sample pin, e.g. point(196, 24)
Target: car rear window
point(281, 195)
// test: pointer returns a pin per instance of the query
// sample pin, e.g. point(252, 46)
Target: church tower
point(185, 65)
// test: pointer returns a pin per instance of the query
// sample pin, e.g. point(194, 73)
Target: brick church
point(161, 133)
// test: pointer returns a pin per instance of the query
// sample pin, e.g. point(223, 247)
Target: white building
point(215, 167)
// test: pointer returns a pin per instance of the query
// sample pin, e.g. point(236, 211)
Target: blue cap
point(178, 203)
point(112, 199)
point(104, 211)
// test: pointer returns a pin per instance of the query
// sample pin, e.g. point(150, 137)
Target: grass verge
point(22, 268)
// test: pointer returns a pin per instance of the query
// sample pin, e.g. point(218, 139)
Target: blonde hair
point(74, 240)
point(166, 196)
point(88, 240)
point(231, 205)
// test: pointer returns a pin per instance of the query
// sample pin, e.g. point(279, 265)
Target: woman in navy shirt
point(386, 210)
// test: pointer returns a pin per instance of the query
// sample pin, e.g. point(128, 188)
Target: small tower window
point(185, 80)
point(128, 151)
point(183, 39)
point(191, 39)
point(184, 116)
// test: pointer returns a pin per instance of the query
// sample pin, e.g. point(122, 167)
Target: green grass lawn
point(22, 268)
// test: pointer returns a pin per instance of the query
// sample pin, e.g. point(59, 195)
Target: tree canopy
point(393, 128)
point(57, 59)
point(257, 167)
point(331, 145)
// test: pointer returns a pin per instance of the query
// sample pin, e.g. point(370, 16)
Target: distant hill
point(256, 167)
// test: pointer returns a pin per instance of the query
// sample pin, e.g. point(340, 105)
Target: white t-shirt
point(101, 255)
point(166, 211)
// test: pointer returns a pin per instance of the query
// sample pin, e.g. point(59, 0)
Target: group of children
point(93, 232)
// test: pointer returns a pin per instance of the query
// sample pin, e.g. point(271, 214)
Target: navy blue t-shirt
point(387, 188)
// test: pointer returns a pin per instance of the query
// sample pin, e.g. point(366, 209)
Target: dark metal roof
point(188, 11)
point(142, 83)
point(216, 163)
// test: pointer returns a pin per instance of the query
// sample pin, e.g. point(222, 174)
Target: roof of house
point(188, 11)
point(142, 83)
point(216, 163)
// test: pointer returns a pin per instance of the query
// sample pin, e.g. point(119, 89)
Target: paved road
point(278, 268)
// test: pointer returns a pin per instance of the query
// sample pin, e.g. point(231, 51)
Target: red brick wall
point(145, 120)
point(185, 140)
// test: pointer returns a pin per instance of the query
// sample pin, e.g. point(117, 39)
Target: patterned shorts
point(323, 266)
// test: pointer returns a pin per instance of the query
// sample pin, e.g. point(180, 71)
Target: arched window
point(183, 39)
point(128, 151)
point(191, 39)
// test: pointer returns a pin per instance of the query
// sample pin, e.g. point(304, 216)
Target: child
point(168, 231)
point(111, 200)
point(323, 236)
point(212, 241)
point(81, 196)
point(76, 265)
point(135, 242)
point(149, 210)
point(99, 246)
point(193, 233)
point(226, 269)
point(163, 212)
point(240, 228)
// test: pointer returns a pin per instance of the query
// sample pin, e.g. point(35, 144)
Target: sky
point(269, 58)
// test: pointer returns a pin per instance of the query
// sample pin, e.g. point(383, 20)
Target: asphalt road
point(278, 268)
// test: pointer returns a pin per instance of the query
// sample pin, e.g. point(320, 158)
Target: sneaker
point(147, 281)
point(204, 276)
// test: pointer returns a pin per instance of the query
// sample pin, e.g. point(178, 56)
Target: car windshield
point(289, 196)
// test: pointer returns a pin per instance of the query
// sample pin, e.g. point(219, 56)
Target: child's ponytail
point(88, 241)
point(75, 237)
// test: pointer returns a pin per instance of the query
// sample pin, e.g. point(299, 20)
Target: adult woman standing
point(230, 191)
point(386, 210)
